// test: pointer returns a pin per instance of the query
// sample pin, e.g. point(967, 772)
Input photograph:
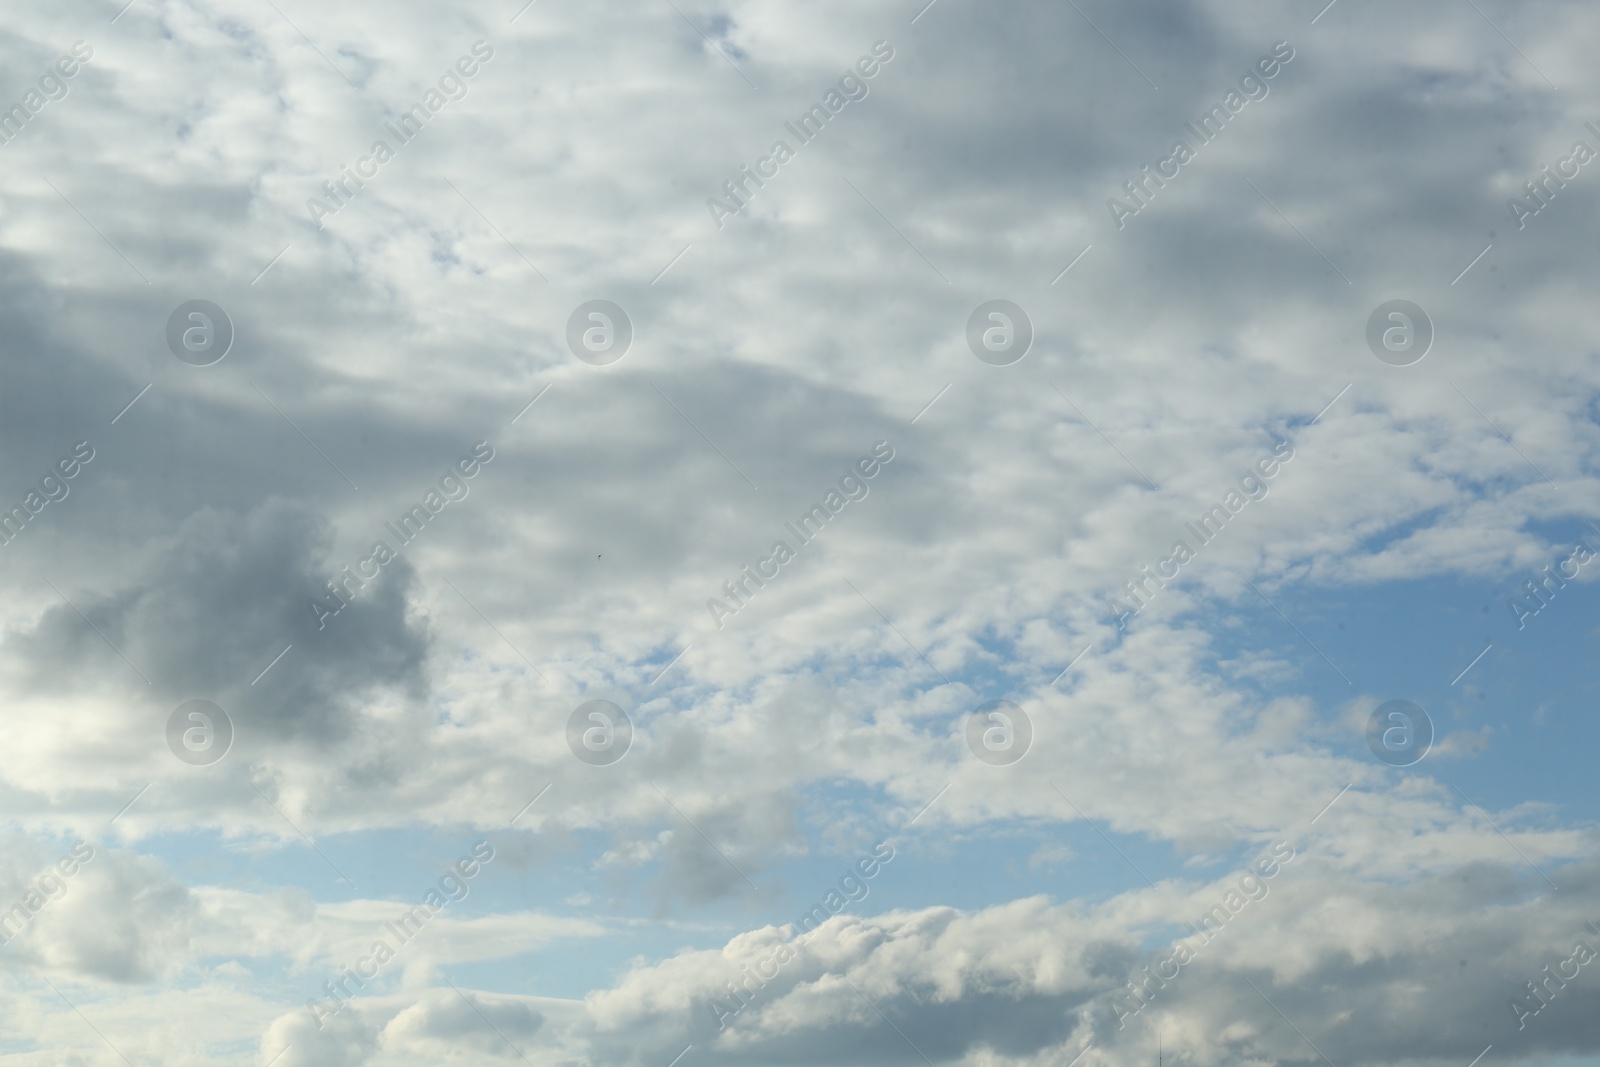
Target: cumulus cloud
point(566, 154)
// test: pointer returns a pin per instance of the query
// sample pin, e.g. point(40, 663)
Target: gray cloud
point(209, 614)
point(826, 316)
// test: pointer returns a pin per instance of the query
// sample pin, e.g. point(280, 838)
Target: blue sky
point(449, 305)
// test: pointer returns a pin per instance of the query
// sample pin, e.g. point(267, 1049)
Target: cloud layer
point(396, 310)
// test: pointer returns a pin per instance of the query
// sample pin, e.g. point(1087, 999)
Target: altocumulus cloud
point(1166, 359)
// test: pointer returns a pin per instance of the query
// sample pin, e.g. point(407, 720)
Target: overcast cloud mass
point(680, 533)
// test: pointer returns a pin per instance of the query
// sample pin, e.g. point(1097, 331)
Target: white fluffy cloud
point(378, 344)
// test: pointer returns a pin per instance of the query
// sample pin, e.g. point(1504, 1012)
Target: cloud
point(229, 588)
point(427, 314)
point(449, 1021)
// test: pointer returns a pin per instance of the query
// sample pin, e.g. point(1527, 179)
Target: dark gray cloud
point(217, 605)
point(373, 352)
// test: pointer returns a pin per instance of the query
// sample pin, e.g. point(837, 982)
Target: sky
point(679, 534)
